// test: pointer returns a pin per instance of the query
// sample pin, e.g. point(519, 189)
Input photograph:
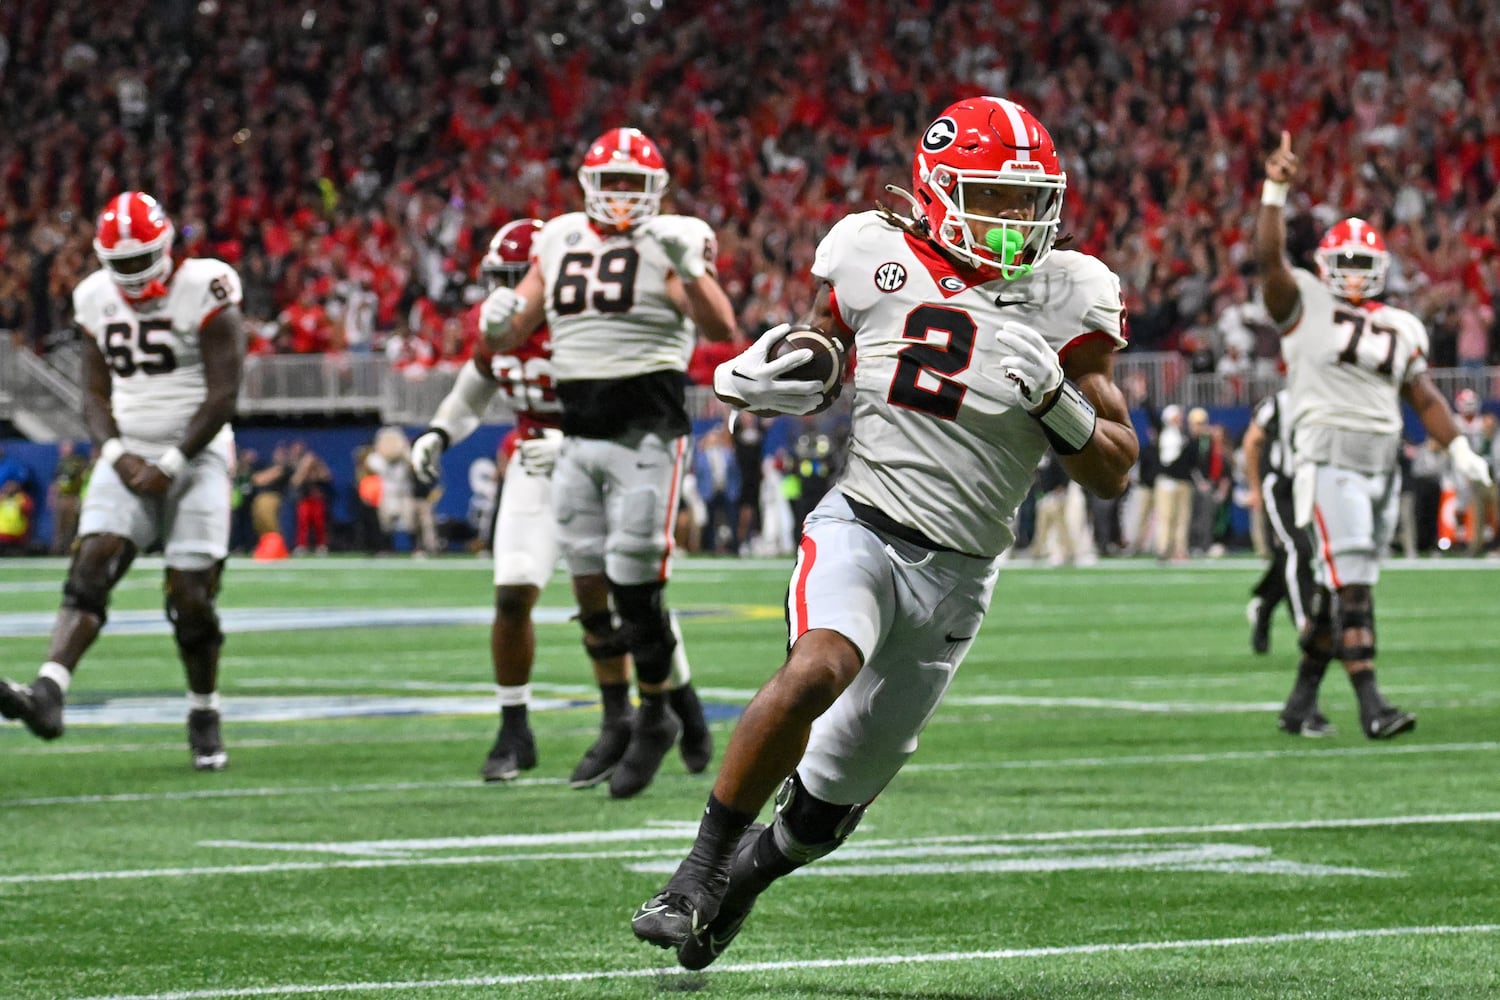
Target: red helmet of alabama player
point(133, 242)
point(509, 254)
point(623, 177)
point(1352, 260)
point(969, 155)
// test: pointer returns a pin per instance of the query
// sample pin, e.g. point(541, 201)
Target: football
point(825, 366)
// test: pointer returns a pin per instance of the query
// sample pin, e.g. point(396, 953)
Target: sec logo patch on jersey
point(890, 277)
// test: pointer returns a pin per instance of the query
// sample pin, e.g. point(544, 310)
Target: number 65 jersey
point(935, 443)
point(155, 359)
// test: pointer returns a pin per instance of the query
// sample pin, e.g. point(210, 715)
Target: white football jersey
point(934, 444)
point(155, 360)
point(1346, 363)
point(607, 300)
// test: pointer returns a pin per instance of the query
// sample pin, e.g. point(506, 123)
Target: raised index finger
point(1286, 141)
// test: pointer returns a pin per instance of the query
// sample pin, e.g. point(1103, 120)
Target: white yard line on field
point(993, 765)
point(681, 832)
point(865, 961)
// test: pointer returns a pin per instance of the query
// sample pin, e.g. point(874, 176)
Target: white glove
point(538, 455)
point(683, 244)
point(426, 453)
point(750, 382)
point(496, 312)
point(1028, 363)
point(1467, 464)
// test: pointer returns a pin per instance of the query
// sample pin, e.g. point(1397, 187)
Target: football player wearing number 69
point(161, 374)
point(980, 346)
point(624, 290)
point(1350, 362)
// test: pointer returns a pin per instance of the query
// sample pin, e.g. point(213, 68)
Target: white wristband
point(171, 463)
point(1069, 420)
point(110, 452)
point(1274, 193)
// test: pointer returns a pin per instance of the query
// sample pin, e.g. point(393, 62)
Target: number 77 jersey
point(935, 442)
point(1346, 362)
point(155, 358)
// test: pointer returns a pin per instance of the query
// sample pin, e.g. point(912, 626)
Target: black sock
point(653, 705)
point(615, 699)
point(689, 709)
point(1304, 696)
point(722, 827)
point(513, 717)
point(1370, 702)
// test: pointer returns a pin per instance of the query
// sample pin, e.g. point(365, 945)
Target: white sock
point(57, 674)
point(210, 700)
point(517, 694)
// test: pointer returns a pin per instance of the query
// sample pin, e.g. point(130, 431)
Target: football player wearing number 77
point(979, 347)
point(1350, 361)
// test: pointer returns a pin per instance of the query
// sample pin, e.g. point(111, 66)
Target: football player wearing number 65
point(1350, 361)
point(624, 291)
point(980, 346)
point(161, 370)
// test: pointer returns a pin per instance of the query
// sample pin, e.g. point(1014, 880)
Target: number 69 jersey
point(155, 360)
point(1346, 363)
point(607, 303)
point(934, 442)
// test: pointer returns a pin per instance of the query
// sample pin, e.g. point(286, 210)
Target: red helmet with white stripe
point(133, 242)
point(509, 254)
point(1352, 260)
point(983, 152)
point(623, 177)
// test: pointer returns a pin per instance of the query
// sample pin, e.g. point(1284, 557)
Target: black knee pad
point(1356, 610)
point(646, 629)
point(1318, 639)
point(601, 639)
point(91, 578)
point(195, 622)
point(808, 828)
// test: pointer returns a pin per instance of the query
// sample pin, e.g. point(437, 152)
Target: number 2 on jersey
point(1358, 324)
point(937, 358)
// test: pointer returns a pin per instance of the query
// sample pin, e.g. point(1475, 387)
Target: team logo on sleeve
point(890, 276)
point(940, 135)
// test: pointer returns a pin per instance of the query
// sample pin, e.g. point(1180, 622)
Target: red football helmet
point(623, 177)
point(509, 254)
point(989, 143)
point(1352, 260)
point(133, 242)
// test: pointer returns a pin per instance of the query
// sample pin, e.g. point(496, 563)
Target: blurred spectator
point(15, 519)
point(17, 471)
point(311, 484)
point(369, 536)
point(65, 496)
point(1173, 495)
point(270, 483)
point(241, 525)
point(718, 478)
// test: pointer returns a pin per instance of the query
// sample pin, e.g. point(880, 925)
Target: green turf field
point(1102, 808)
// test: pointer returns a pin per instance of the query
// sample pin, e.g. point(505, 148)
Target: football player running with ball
point(161, 371)
point(980, 346)
point(1350, 362)
point(624, 291)
point(525, 539)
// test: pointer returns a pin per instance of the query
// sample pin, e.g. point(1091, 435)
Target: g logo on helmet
point(940, 135)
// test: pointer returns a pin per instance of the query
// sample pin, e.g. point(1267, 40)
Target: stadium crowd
point(351, 165)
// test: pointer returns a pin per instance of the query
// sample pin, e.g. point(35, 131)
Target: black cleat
point(655, 732)
point(514, 751)
point(1389, 723)
point(1260, 626)
point(599, 760)
point(204, 740)
point(38, 704)
point(1314, 726)
point(697, 743)
point(686, 905)
point(701, 949)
